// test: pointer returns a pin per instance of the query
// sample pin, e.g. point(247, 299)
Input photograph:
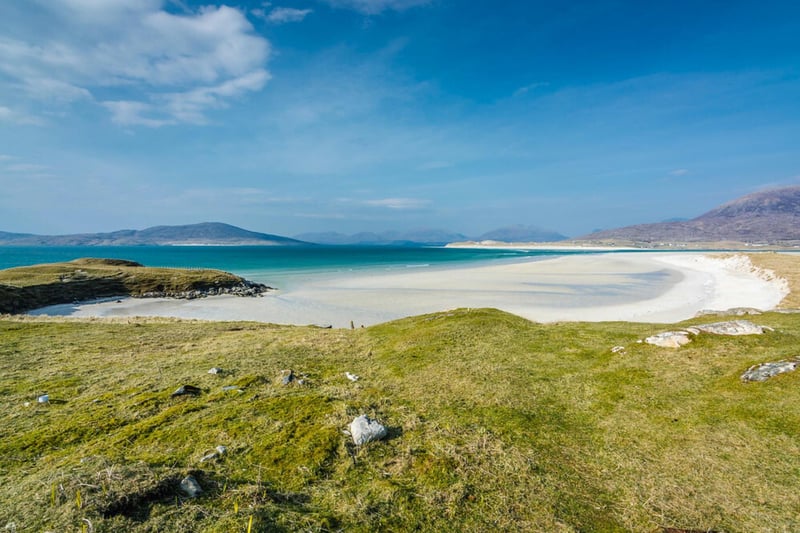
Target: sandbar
point(660, 287)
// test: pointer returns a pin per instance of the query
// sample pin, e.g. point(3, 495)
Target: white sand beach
point(643, 287)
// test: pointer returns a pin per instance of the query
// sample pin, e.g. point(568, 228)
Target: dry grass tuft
point(785, 265)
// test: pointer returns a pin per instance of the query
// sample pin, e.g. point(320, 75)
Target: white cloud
point(50, 89)
point(190, 106)
point(399, 203)
point(282, 15)
point(130, 113)
point(679, 172)
point(136, 50)
point(9, 115)
point(375, 7)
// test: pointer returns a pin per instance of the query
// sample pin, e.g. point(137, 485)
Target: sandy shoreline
point(642, 287)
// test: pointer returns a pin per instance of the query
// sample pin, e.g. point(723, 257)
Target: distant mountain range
point(433, 237)
point(766, 217)
point(204, 233)
point(217, 233)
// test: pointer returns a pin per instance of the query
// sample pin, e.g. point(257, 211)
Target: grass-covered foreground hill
point(30, 287)
point(495, 424)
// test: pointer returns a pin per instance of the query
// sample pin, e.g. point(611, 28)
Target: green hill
point(495, 424)
point(215, 233)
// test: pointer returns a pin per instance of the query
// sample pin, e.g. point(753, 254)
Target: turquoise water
point(278, 266)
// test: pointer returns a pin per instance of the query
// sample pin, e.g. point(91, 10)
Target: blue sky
point(352, 115)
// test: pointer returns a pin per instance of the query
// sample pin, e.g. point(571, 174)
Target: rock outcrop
point(676, 339)
point(765, 371)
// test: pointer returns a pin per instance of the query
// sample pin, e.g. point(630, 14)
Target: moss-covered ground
point(495, 424)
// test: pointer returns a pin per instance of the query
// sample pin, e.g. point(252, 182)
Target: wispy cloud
point(9, 115)
point(679, 172)
point(281, 15)
point(399, 203)
point(155, 59)
point(528, 88)
point(26, 167)
point(375, 7)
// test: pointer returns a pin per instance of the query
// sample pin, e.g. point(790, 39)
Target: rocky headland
point(25, 288)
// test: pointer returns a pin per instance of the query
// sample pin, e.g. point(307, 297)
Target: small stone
point(618, 349)
point(219, 451)
point(287, 378)
point(364, 430)
point(44, 398)
point(669, 339)
point(215, 371)
point(351, 377)
point(191, 487)
point(765, 371)
point(184, 390)
point(227, 388)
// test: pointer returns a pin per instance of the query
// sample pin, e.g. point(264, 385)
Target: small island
point(25, 288)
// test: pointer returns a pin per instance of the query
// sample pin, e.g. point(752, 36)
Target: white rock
point(191, 487)
point(765, 371)
point(215, 370)
point(351, 377)
point(733, 327)
point(44, 398)
point(364, 430)
point(669, 339)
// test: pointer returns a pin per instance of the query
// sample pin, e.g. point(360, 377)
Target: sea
point(281, 266)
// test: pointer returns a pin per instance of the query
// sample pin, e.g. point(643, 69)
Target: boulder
point(191, 487)
point(364, 430)
point(669, 339)
point(765, 371)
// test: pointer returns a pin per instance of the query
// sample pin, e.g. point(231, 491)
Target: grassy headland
point(495, 423)
point(30, 287)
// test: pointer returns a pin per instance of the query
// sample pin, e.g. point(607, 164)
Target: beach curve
point(622, 286)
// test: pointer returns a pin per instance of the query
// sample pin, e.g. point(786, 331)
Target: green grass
point(496, 423)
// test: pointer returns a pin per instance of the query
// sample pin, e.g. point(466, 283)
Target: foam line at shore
point(642, 287)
